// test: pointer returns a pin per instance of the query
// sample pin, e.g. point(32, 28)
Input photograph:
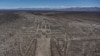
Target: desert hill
point(19, 29)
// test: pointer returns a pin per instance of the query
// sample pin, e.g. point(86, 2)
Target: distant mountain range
point(81, 9)
point(63, 9)
point(34, 9)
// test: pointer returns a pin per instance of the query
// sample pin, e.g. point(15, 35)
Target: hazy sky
point(48, 3)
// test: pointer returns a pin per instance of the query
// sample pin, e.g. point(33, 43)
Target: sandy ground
point(43, 46)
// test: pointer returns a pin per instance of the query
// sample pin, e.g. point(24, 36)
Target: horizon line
point(52, 8)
